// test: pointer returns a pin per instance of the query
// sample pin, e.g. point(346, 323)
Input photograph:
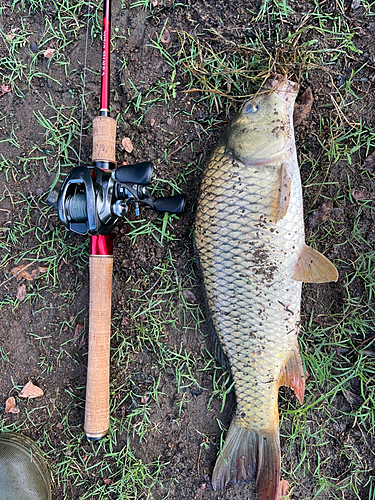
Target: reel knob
point(134, 174)
point(173, 204)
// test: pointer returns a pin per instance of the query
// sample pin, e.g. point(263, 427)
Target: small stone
point(33, 47)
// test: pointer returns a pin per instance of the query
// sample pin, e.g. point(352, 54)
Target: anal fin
point(292, 374)
point(314, 267)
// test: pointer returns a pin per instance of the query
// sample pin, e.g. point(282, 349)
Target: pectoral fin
point(313, 267)
point(285, 188)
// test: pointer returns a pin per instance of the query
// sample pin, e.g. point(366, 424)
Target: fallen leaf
point(12, 33)
point(303, 107)
point(78, 330)
point(20, 272)
point(106, 480)
point(5, 89)
point(10, 406)
point(283, 490)
point(189, 296)
point(165, 37)
point(62, 263)
point(352, 398)
point(31, 391)
point(321, 214)
point(34, 273)
point(127, 144)
point(152, 122)
point(359, 194)
point(81, 339)
point(369, 164)
point(21, 292)
point(49, 53)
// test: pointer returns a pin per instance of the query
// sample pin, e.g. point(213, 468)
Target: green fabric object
point(23, 473)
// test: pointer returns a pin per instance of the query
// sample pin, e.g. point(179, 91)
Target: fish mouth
point(282, 86)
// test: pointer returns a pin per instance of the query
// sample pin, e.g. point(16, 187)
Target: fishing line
point(84, 85)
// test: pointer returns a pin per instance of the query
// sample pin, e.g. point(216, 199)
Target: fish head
point(262, 131)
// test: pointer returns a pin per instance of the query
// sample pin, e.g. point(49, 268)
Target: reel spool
point(91, 200)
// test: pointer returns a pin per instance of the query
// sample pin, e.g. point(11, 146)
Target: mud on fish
point(250, 243)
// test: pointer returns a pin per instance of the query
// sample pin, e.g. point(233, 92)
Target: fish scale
point(249, 239)
point(231, 275)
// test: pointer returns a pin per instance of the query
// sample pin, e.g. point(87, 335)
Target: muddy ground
point(177, 134)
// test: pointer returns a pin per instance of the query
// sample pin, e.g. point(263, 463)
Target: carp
point(250, 246)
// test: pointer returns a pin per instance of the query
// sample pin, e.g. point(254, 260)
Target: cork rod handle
point(97, 390)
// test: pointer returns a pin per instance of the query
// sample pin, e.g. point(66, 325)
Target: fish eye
point(251, 108)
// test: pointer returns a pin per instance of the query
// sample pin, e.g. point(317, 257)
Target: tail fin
point(250, 454)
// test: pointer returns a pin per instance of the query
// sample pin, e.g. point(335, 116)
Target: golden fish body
point(249, 237)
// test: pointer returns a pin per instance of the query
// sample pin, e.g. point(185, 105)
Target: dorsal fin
point(285, 188)
point(313, 267)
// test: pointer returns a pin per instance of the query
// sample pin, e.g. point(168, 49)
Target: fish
point(250, 247)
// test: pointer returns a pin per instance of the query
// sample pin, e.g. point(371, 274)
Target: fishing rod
point(90, 202)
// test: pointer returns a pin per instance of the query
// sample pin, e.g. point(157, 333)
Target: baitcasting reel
point(91, 200)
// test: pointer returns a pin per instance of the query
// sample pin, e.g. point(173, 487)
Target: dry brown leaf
point(152, 122)
point(359, 194)
point(283, 490)
point(62, 263)
point(10, 406)
point(78, 330)
point(352, 398)
point(31, 391)
point(321, 214)
point(165, 37)
point(369, 164)
point(127, 144)
point(5, 89)
point(21, 292)
point(189, 296)
point(12, 33)
point(303, 107)
point(49, 53)
point(20, 272)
